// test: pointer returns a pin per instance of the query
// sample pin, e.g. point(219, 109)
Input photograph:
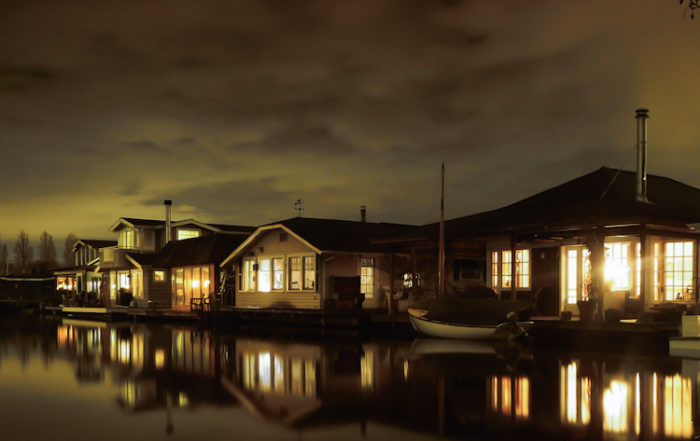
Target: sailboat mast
point(441, 259)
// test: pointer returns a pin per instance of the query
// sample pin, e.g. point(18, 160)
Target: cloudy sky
point(236, 108)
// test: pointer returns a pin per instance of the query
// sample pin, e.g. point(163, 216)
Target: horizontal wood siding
point(278, 300)
point(159, 291)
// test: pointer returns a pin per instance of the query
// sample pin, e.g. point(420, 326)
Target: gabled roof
point(95, 243)
point(603, 197)
point(140, 260)
point(329, 235)
point(236, 229)
point(198, 251)
point(135, 222)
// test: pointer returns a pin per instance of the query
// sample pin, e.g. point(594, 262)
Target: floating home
point(307, 263)
point(134, 269)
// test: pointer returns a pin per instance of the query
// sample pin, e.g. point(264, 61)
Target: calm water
point(79, 380)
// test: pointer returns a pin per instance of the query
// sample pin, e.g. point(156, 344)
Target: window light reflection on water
point(292, 381)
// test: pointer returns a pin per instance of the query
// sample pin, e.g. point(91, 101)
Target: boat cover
point(476, 311)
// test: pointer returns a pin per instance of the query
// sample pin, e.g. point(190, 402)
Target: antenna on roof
point(299, 206)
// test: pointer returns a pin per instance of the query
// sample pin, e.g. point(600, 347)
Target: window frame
point(302, 280)
point(503, 269)
point(250, 273)
point(363, 277)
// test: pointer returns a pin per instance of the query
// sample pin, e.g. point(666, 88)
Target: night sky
point(235, 109)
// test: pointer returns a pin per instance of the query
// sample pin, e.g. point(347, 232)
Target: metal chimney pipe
point(642, 116)
point(168, 229)
point(363, 213)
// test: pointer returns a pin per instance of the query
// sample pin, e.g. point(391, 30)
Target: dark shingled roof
point(605, 196)
point(97, 243)
point(143, 259)
point(234, 228)
point(144, 222)
point(213, 248)
point(344, 235)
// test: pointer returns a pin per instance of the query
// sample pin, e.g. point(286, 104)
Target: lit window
point(278, 273)
point(678, 270)
point(187, 234)
point(408, 279)
point(506, 269)
point(127, 239)
point(309, 272)
point(248, 273)
point(617, 266)
point(159, 276)
point(367, 277)
point(264, 273)
point(124, 280)
point(494, 269)
point(295, 273)
point(522, 269)
point(572, 277)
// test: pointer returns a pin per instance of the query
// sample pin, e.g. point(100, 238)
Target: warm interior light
point(615, 407)
point(195, 284)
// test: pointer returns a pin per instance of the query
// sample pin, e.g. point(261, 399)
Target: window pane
point(278, 273)
point(264, 274)
point(367, 277)
point(309, 272)
point(295, 273)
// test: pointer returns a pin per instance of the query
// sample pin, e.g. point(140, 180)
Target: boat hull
point(449, 330)
point(456, 330)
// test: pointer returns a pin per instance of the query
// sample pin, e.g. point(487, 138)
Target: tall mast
point(441, 270)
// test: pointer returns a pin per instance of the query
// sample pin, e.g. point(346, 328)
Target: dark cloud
point(144, 146)
point(22, 78)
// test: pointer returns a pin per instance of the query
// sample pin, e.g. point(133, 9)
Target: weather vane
point(299, 206)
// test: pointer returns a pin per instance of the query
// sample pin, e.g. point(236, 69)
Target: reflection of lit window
point(585, 400)
point(113, 347)
point(522, 397)
point(128, 393)
point(505, 395)
point(678, 407)
point(405, 369)
point(367, 370)
point(279, 374)
point(297, 378)
point(62, 335)
point(159, 358)
point(264, 371)
point(182, 400)
point(615, 407)
point(248, 369)
point(124, 351)
point(310, 378)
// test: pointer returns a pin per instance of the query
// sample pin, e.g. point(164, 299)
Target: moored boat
point(472, 318)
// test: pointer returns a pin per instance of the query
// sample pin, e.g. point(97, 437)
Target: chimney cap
point(167, 202)
point(642, 113)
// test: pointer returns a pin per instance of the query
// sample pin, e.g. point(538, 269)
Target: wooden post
point(513, 287)
point(414, 277)
point(390, 300)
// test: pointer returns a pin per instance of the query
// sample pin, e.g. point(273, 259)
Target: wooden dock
point(623, 336)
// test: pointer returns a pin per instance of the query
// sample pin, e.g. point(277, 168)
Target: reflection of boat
point(472, 318)
point(441, 346)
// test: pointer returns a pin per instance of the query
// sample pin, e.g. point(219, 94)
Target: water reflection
point(429, 388)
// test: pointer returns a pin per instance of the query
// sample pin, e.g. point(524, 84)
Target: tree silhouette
point(68, 249)
point(23, 252)
point(47, 250)
point(3, 259)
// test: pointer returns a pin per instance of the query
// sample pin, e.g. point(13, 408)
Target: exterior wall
point(159, 292)
point(118, 259)
point(269, 245)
